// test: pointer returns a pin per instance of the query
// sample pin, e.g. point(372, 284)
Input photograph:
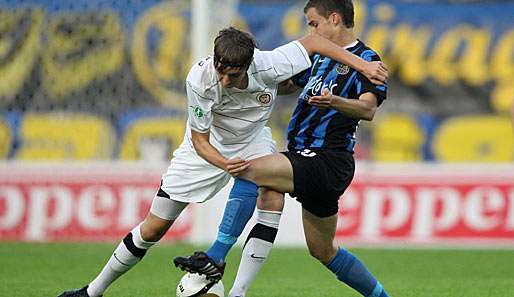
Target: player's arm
point(375, 71)
point(294, 83)
point(210, 154)
point(363, 108)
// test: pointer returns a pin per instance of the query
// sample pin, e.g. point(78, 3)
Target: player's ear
point(335, 19)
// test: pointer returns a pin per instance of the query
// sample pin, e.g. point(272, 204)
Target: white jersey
point(234, 117)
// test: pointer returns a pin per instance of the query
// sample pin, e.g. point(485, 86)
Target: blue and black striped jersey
point(314, 128)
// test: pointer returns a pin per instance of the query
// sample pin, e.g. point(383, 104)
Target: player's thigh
point(319, 235)
point(273, 171)
point(270, 200)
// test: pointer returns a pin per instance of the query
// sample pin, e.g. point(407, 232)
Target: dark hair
point(233, 48)
point(327, 7)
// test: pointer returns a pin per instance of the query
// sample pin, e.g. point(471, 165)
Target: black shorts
point(320, 178)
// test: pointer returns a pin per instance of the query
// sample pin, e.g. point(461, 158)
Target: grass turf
point(47, 269)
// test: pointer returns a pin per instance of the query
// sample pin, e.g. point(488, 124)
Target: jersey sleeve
point(364, 85)
point(286, 61)
point(199, 109)
point(302, 78)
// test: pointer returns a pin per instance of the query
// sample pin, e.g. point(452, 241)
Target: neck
point(345, 37)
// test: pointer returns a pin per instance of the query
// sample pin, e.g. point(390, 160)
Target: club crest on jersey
point(264, 98)
point(198, 111)
point(342, 69)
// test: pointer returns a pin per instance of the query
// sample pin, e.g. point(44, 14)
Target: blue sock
point(239, 209)
point(352, 272)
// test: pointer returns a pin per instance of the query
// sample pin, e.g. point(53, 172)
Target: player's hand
point(325, 100)
point(236, 166)
point(376, 72)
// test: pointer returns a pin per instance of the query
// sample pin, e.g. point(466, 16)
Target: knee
point(270, 200)
point(153, 231)
point(322, 253)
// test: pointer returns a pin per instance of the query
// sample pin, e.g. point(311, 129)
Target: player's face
point(319, 24)
point(231, 77)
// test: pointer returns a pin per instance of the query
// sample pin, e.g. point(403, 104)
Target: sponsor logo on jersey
point(342, 69)
point(264, 98)
point(199, 113)
point(315, 86)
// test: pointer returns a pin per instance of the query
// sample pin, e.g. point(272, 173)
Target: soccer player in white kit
point(230, 98)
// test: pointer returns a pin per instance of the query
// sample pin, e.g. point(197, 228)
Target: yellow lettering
point(502, 96)
point(502, 58)
point(378, 35)
point(408, 53)
point(293, 24)
point(474, 138)
point(397, 138)
point(81, 48)
point(444, 65)
point(171, 63)
point(5, 140)
point(56, 136)
point(360, 16)
point(502, 70)
point(473, 64)
point(18, 55)
point(170, 130)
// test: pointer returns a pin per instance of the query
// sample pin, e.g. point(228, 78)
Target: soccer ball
point(193, 284)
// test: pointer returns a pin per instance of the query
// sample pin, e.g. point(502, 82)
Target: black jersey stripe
point(314, 120)
point(304, 109)
point(310, 128)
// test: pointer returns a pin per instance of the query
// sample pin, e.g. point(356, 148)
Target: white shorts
point(190, 178)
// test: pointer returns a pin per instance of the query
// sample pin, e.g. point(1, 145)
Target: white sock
point(256, 250)
point(128, 253)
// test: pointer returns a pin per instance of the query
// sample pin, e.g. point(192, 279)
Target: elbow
point(369, 114)
point(312, 43)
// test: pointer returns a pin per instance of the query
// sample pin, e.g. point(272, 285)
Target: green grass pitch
point(47, 269)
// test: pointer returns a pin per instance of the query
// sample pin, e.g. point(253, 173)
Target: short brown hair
point(233, 48)
point(327, 7)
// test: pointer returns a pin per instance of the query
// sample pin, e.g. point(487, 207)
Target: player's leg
point(238, 210)
point(189, 179)
point(134, 246)
point(319, 234)
point(260, 240)
point(273, 172)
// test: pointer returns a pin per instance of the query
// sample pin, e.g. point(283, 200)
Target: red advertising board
point(79, 202)
point(429, 204)
point(386, 204)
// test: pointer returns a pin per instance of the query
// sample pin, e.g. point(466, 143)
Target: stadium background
point(92, 105)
